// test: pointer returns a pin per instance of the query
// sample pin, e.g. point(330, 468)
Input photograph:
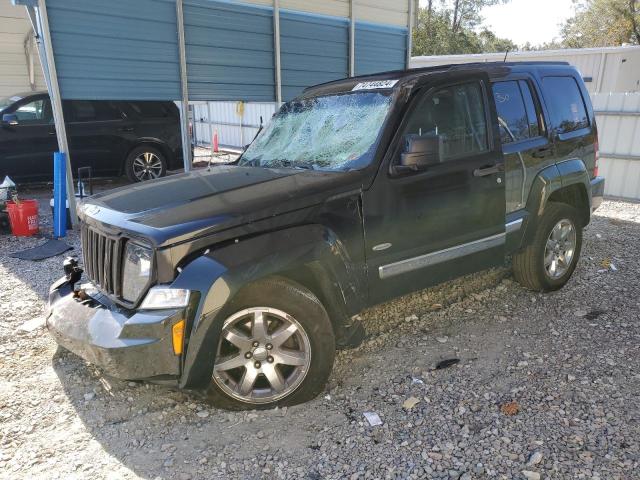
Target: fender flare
point(293, 252)
point(548, 181)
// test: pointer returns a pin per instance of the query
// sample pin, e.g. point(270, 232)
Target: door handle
point(490, 170)
point(51, 132)
point(125, 129)
point(542, 152)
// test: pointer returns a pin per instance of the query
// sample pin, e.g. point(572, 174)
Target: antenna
point(505, 56)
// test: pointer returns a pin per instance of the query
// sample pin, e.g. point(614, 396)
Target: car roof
point(403, 77)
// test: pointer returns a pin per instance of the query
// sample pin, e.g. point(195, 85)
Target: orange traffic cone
point(215, 145)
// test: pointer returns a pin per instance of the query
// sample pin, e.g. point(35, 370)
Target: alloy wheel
point(147, 166)
point(560, 249)
point(264, 355)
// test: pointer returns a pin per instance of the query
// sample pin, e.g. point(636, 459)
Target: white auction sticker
point(377, 85)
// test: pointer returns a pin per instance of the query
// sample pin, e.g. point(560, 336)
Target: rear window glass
point(90, 111)
point(565, 103)
point(517, 113)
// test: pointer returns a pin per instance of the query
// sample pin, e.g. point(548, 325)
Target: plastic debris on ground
point(449, 362)
point(373, 418)
point(410, 402)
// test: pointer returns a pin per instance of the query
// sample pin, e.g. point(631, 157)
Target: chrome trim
point(513, 226)
point(429, 259)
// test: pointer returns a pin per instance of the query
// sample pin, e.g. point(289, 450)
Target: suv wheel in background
point(276, 348)
point(548, 262)
point(145, 163)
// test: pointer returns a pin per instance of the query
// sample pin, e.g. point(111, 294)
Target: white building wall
point(16, 74)
point(618, 119)
point(224, 118)
point(613, 69)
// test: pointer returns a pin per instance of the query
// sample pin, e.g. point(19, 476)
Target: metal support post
point(51, 76)
point(184, 104)
point(276, 50)
point(352, 38)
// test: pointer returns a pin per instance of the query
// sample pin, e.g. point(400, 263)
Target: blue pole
point(59, 195)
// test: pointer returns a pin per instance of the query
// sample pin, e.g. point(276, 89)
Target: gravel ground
point(547, 387)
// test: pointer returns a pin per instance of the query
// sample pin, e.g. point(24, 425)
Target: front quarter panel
point(222, 272)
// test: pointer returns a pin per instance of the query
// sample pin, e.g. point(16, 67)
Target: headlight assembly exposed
point(164, 297)
point(136, 271)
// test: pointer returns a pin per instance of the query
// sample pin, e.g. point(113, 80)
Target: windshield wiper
point(285, 163)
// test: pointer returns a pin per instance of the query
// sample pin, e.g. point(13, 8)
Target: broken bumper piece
point(132, 345)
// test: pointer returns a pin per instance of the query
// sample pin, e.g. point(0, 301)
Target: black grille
point(102, 260)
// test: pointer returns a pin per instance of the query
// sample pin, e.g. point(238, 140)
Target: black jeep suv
point(241, 280)
point(138, 138)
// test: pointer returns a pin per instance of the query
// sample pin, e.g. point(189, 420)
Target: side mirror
point(10, 119)
point(420, 151)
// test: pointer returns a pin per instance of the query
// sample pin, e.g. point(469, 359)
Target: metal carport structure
point(184, 50)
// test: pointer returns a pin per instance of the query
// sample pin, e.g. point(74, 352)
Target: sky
point(534, 21)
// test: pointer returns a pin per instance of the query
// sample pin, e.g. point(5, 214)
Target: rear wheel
point(276, 348)
point(145, 163)
point(548, 263)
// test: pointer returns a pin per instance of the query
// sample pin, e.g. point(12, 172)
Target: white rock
point(89, 396)
point(202, 414)
point(529, 475)
point(442, 339)
point(534, 459)
point(32, 325)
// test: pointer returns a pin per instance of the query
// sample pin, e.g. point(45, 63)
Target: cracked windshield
point(337, 132)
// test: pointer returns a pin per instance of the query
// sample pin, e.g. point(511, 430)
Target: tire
point(530, 265)
point(145, 163)
point(285, 305)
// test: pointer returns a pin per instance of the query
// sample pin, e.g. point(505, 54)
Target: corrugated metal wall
point(379, 48)
point(115, 50)
point(614, 69)
point(224, 117)
point(618, 119)
point(229, 51)
point(313, 49)
point(389, 12)
point(123, 49)
point(14, 61)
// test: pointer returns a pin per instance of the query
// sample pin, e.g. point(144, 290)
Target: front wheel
point(145, 163)
point(276, 348)
point(547, 264)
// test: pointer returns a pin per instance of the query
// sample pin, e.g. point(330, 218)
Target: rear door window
point(566, 104)
point(517, 114)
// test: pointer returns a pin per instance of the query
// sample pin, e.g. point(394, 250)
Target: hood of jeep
point(180, 206)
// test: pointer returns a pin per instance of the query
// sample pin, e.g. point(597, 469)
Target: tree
point(603, 23)
point(455, 26)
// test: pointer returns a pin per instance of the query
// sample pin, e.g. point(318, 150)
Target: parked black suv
point(138, 138)
point(243, 279)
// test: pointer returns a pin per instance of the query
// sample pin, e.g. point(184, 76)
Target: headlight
point(165, 297)
point(136, 271)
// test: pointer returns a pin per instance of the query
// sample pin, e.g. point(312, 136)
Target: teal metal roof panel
point(380, 48)
point(229, 51)
point(115, 50)
point(313, 49)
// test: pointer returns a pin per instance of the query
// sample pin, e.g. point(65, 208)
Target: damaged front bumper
point(132, 345)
